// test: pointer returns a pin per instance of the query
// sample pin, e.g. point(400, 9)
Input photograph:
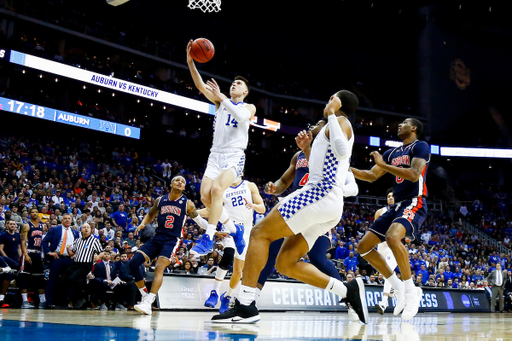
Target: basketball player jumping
point(305, 215)
point(227, 155)
point(408, 164)
point(240, 201)
point(171, 211)
point(297, 176)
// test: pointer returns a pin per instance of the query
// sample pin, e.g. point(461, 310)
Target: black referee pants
point(74, 280)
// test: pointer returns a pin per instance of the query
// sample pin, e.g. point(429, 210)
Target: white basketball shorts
point(313, 210)
point(230, 160)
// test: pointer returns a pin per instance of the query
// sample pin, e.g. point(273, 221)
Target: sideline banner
point(190, 292)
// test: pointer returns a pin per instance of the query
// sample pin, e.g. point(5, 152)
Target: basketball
point(202, 50)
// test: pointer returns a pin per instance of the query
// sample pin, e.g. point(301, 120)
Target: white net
point(205, 5)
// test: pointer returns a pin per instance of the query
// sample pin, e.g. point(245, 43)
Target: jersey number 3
point(169, 222)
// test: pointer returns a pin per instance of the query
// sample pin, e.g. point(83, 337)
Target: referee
point(82, 251)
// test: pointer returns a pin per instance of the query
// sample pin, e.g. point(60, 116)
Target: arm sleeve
point(239, 113)
point(351, 189)
point(201, 222)
point(338, 139)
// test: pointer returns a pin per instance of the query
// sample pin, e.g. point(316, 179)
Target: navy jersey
point(34, 237)
point(301, 172)
point(402, 157)
point(172, 215)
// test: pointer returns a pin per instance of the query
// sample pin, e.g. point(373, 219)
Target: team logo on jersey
point(301, 163)
point(401, 160)
point(409, 215)
point(170, 209)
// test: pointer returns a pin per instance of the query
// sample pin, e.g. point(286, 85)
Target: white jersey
point(324, 167)
point(228, 133)
point(234, 204)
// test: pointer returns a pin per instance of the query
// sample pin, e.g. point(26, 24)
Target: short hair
point(349, 101)
point(390, 190)
point(419, 126)
point(243, 79)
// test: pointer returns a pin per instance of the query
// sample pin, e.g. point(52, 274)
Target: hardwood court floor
point(92, 325)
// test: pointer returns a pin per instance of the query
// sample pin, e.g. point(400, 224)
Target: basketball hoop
point(205, 5)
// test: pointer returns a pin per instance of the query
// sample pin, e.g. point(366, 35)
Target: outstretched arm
point(148, 218)
point(198, 81)
point(368, 175)
point(284, 181)
point(411, 174)
point(192, 213)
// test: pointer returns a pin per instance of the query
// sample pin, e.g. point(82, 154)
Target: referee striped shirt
point(84, 249)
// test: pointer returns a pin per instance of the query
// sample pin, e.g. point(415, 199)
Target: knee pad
point(227, 259)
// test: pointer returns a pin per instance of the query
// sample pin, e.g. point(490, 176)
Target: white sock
point(211, 231)
point(143, 292)
point(219, 278)
point(230, 291)
point(409, 285)
point(246, 296)
point(24, 297)
point(257, 294)
point(150, 297)
point(396, 282)
point(337, 287)
point(228, 223)
point(2, 297)
point(42, 298)
point(387, 287)
point(384, 301)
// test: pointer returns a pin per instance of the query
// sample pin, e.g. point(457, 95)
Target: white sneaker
point(144, 307)
point(412, 304)
point(400, 302)
point(352, 315)
point(5, 270)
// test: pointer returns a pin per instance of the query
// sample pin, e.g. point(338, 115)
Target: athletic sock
point(228, 223)
point(143, 291)
point(409, 286)
point(230, 291)
point(246, 296)
point(219, 277)
point(24, 297)
point(151, 297)
point(210, 231)
point(2, 297)
point(42, 298)
point(337, 287)
point(396, 282)
point(257, 294)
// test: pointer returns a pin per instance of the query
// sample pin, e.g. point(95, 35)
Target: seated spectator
point(130, 240)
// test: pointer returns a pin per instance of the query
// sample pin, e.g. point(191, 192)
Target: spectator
point(130, 240)
point(341, 251)
point(120, 218)
point(351, 262)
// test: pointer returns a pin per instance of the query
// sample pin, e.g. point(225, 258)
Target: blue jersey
point(172, 215)
point(34, 237)
point(301, 172)
point(402, 157)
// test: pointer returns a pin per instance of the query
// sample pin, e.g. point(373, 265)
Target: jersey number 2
point(237, 201)
point(169, 222)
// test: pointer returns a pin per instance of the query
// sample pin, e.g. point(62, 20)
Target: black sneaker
point(356, 299)
point(239, 314)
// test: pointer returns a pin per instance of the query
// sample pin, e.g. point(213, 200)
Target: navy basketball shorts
point(410, 213)
point(160, 247)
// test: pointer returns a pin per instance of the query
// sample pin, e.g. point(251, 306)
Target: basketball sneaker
point(352, 315)
point(27, 305)
point(412, 304)
point(204, 247)
point(144, 307)
point(239, 314)
point(400, 302)
point(356, 299)
point(238, 237)
point(381, 307)
point(224, 303)
point(211, 302)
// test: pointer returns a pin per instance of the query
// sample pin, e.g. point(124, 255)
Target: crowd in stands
point(114, 190)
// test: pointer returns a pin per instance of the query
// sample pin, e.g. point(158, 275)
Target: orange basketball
point(202, 50)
